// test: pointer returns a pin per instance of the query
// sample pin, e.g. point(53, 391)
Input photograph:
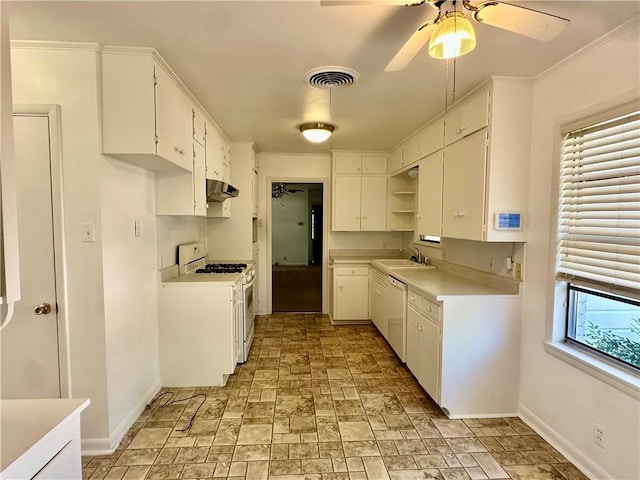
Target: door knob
point(42, 309)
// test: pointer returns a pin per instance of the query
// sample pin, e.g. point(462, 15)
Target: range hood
point(218, 191)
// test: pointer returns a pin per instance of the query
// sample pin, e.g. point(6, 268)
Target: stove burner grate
point(222, 268)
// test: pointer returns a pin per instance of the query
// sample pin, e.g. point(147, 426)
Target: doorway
point(296, 258)
point(33, 343)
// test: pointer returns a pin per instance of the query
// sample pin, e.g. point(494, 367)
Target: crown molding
point(622, 29)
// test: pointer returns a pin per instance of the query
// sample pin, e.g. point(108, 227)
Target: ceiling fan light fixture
point(316, 132)
point(453, 36)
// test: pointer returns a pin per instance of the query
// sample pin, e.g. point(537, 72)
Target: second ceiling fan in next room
point(449, 21)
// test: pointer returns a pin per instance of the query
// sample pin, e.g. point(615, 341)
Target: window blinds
point(599, 218)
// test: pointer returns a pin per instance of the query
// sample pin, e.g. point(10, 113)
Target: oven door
point(249, 317)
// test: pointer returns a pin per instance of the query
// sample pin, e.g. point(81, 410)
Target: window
point(599, 234)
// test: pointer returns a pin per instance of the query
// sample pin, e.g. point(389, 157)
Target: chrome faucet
point(416, 254)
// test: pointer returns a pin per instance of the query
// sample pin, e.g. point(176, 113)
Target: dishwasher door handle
point(397, 283)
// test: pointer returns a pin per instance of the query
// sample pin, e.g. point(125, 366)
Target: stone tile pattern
point(318, 402)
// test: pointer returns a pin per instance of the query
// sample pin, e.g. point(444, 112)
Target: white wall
point(68, 78)
point(172, 231)
point(231, 238)
point(290, 168)
point(112, 283)
point(562, 400)
point(290, 225)
point(130, 295)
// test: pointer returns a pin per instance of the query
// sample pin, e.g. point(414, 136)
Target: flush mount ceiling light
point(316, 132)
point(453, 36)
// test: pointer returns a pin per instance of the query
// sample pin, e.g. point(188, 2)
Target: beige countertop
point(29, 424)
point(436, 284)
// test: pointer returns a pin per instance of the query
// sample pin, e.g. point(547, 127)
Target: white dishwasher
point(395, 302)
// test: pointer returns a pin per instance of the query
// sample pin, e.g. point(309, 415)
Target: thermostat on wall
point(508, 221)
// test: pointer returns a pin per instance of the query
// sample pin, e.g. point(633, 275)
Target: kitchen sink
point(399, 262)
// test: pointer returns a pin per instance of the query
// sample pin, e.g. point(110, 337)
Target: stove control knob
point(42, 309)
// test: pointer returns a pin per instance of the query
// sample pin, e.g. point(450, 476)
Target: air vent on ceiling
point(331, 77)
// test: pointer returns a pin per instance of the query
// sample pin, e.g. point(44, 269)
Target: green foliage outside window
point(617, 346)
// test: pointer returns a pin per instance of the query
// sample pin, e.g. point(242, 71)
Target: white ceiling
point(244, 60)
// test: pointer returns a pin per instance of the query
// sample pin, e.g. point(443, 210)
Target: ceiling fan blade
point(334, 3)
point(410, 49)
point(522, 20)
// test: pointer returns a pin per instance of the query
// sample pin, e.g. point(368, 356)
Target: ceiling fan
point(279, 190)
point(515, 18)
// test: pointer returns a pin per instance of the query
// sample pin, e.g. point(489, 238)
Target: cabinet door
point(199, 127)
point(410, 151)
point(378, 315)
point(430, 348)
point(346, 204)
point(431, 138)
point(395, 160)
point(226, 161)
point(413, 342)
point(464, 188)
point(429, 218)
point(199, 181)
point(214, 153)
point(374, 164)
point(174, 120)
point(374, 204)
point(348, 164)
point(351, 297)
point(254, 192)
point(467, 118)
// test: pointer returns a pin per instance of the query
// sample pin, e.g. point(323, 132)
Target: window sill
point(623, 380)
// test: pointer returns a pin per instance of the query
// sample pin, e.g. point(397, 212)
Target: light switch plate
point(88, 232)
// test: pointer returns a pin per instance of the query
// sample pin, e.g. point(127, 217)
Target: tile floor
point(317, 402)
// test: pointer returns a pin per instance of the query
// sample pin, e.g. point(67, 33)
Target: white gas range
point(194, 266)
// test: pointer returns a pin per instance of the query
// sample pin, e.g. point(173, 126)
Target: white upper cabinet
point(147, 118)
point(217, 153)
point(427, 140)
point(467, 118)
point(464, 188)
point(359, 192)
point(360, 164)
point(485, 172)
point(395, 159)
point(199, 127)
point(183, 194)
point(429, 216)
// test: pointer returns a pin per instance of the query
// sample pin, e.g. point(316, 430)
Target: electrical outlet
point(598, 435)
point(137, 228)
point(517, 271)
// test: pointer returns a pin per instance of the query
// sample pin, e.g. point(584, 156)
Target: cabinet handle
point(357, 218)
point(420, 327)
point(461, 129)
point(364, 218)
point(179, 150)
point(358, 169)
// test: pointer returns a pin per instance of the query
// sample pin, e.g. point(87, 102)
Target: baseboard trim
point(566, 448)
point(351, 322)
point(106, 446)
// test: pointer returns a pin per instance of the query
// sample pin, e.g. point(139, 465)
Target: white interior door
point(30, 361)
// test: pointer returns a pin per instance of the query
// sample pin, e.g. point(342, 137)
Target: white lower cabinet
point(41, 439)
point(424, 337)
point(464, 351)
point(378, 287)
point(350, 292)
